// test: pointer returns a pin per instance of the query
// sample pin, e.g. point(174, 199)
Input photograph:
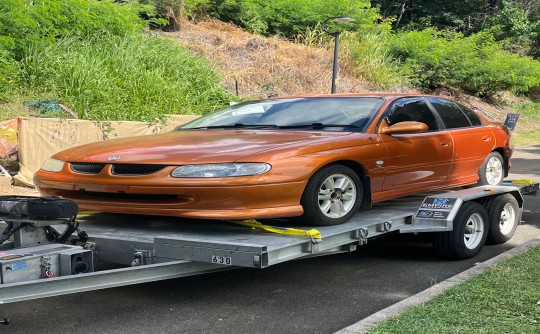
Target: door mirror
point(404, 127)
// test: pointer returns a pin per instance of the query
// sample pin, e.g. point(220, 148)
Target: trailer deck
point(151, 249)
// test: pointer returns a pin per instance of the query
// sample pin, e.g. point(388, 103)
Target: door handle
point(486, 139)
point(445, 144)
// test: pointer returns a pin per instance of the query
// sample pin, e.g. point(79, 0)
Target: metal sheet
point(16, 292)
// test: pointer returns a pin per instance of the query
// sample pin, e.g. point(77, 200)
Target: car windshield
point(324, 113)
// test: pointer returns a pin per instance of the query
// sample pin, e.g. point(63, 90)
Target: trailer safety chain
point(314, 234)
point(83, 237)
point(53, 235)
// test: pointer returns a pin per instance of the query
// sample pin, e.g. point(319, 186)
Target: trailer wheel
point(332, 196)
point(503, 215)
point(491, 172)
point(468, 236)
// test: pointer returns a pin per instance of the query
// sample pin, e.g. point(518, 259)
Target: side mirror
point(404, 127)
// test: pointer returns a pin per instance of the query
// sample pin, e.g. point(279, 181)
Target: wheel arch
point(362, 173)
point(506, 158)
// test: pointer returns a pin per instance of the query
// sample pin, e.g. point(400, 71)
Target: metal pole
point(334, 68)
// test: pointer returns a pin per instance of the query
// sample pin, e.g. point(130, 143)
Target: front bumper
point(224, 201)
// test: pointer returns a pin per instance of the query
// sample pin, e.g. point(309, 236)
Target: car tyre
point(491, 172)
point(468, 235)
point(504, 216)
point(332, 196)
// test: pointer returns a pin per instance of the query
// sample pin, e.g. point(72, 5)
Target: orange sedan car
point(321, 158)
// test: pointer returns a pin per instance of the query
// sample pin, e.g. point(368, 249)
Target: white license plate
point(221, 260)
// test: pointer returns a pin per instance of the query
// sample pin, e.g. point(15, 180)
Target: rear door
point(418, 160)
point(472, 140)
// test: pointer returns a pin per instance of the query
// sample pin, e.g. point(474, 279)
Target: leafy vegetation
point(131, 77)
point(24, 23)
point(502, 299)
point(55, 49)
point(518, 30)
point(287, 17)
point(94, 57)
point(479, 48)
point(475, 64)
point(514, 22)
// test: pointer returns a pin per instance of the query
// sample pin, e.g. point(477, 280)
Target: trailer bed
point(149, 249)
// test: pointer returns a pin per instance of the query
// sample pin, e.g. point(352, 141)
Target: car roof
point(387, 96)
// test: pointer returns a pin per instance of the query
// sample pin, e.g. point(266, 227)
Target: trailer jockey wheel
point(468, 236)
point(504, 215)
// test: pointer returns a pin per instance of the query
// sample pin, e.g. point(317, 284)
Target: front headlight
point(222, 170)
point(53, 165)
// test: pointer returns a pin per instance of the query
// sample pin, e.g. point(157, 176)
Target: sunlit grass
point(504, 299)
point(371, 58)
point(524, 138)
point(133, 77)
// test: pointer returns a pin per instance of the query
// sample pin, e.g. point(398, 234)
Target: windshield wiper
point(237, 126)
point(318, 126)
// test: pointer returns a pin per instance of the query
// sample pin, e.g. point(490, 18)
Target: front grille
point(118, 169)
point(86, 168)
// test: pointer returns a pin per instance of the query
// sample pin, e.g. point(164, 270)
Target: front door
point(418, 160)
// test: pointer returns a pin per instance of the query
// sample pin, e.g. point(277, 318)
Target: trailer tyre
point(503, 215)
point(468, 236)
point(332, 196)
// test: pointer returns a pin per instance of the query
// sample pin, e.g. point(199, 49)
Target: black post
point(334, 68)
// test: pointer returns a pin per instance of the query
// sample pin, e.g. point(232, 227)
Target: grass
point(132, 77)
point(371, 59)
point(503, 299)
point(13, 108)
point(265, 67)
point(525, 138)
point(529, 108)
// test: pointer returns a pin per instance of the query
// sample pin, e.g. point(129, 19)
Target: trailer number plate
point(221, 260)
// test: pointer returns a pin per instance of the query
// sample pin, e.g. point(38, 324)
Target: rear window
point(452, 115)
point(471, 115)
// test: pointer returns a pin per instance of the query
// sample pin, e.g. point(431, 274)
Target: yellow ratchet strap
point(313, 233)
point(523, 181)
point(87, 212)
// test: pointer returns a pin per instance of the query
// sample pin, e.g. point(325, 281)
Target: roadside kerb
point(364, 325)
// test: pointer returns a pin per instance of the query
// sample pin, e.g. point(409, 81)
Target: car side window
point(412, 109)
point(471, 115)
point(452, 115)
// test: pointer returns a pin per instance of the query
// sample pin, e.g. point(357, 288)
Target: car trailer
point(37, 261)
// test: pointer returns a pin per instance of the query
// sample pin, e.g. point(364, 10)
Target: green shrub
point(23, 22)
point(287, 17)
point(476, 64)
point(132, 77)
